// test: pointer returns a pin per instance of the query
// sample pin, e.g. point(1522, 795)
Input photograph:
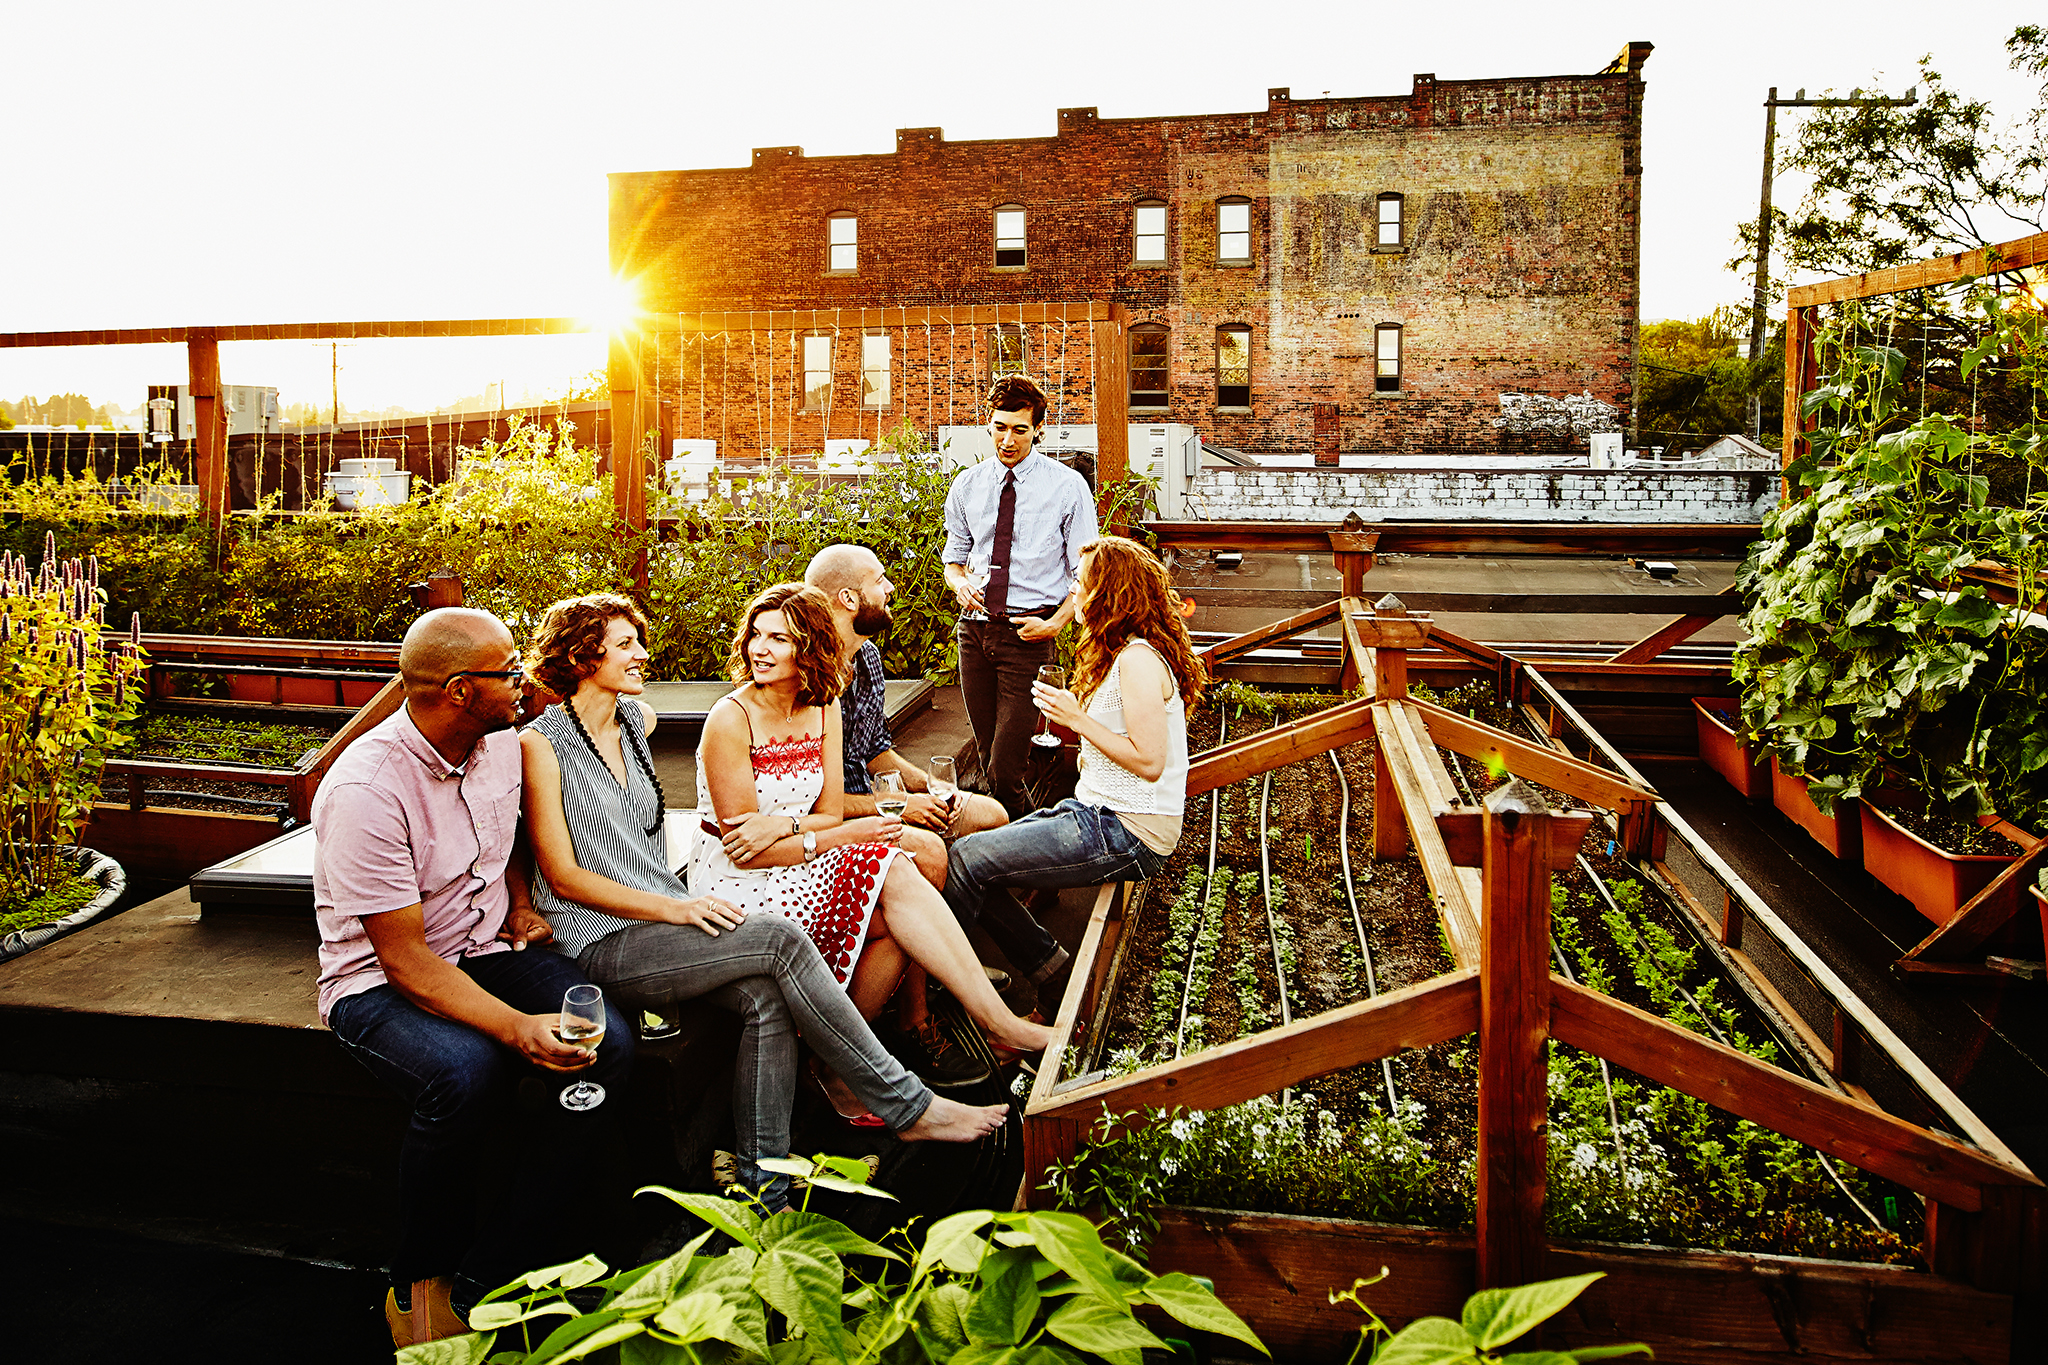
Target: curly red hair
point(808, 615)
point(1129, 598)
point(569, 643)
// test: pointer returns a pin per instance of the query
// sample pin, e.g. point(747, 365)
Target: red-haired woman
point(769, 777)
point(594, 814)
point(1135, 675)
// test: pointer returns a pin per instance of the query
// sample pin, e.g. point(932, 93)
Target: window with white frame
point(1390, 226)
point(1233, 367)
point(842, 243)
point(1148, 233)
point(817, 373)
point(874, 370)
point(1010, 235)
point(1387, 358)
point(1148, 368)
point(1234, 231)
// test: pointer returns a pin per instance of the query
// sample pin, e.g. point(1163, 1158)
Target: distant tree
point(594, 387)
point(1693, 382)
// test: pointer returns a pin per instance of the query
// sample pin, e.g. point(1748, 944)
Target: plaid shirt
point(863, 719)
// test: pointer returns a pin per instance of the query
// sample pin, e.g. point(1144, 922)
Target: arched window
point(1386, 377)
point(1234, 366)
point(1009, 227)
point(1148, 367)
point(1234, 231)
point(1390, 225)
point(842, 243)
point(1148, 233)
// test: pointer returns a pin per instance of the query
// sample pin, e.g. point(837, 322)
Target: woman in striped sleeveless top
point(594, 814)
point(1135, 676)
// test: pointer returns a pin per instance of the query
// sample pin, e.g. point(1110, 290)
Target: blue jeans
point(461, 1084)
point(769, 973)
point(1069, 845)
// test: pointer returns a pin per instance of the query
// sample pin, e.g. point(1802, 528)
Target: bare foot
point(947, 1120)
point(1022, 1035)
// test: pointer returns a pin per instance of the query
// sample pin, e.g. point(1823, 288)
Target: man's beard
point(872, 619)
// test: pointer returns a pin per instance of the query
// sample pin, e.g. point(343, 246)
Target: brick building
point(1334, 274)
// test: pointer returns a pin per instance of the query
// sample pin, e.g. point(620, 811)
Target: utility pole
point(1761, 301)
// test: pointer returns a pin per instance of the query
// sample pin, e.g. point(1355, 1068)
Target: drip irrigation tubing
point(1372, 987)
point(1266, 899)
point(1180, 1030)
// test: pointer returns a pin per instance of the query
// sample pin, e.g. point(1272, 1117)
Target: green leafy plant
point(1491, 1318)
point(66, 692)
point(978, 1288)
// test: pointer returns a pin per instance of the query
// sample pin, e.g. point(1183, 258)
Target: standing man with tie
point(1024, 518)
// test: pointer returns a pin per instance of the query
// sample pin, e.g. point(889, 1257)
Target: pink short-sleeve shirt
point(398, 825)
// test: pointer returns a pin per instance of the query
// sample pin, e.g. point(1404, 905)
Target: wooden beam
point(1464, 832)
point(1574, 777)
point(1113, 403)
point(1983, 914)
point(1514, 1031)
point(1415, 1016)
point(960, 315)
point(1871, 1140)
point(1710, 539)
point(1272, 633)
point(1673, 632)
point(304, 331)
point(1799, 372)
point(1417, 783)
point(306, 781)
point(1276, 748)
point(1053, 1140)
point(210, 427)
point(1963, 265)
point(1353, 551)
point(628, 457)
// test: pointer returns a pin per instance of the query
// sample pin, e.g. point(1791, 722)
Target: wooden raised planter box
point(1276, 1272)
point(1840, 834)
point(1936, 881)
point(1723, 751)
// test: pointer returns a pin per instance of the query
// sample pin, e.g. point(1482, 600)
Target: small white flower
point(1585, 1157)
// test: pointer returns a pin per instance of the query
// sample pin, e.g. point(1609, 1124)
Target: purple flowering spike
point(95, 566)
point(6, 628)
point(49, 547)
point(135, 629)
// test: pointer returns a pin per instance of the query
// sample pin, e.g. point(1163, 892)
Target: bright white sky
point(238, 162)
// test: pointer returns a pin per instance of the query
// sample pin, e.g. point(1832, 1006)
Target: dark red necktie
point(998, 593)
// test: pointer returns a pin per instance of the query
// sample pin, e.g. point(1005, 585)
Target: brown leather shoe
point(430, 1319)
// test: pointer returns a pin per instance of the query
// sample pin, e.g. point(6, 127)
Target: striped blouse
point(607, 828)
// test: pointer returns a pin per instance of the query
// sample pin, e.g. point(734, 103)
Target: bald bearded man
point(424, 981)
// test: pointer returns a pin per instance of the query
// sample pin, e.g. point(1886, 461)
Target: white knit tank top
point(1105, 782)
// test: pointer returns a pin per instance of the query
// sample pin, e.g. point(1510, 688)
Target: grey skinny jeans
point(769, 973)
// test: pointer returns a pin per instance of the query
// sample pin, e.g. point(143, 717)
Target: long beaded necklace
point(639, 756)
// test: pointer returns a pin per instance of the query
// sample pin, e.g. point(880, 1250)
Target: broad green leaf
point(792, 1352)
point(735, 1220)
point(1585, 1353)
point(653, 1287)
point(1189, 1303)
point(787, 1165)
point(569, 1273)
point(489, 1317)
point(462, 1350)
point(847, 1168)
point(807, 1290)
point(571, 1332)
point(1005, 1301)
point(954, 1242)
point(1088, 1324)
point(986, 1355)
point(1426, 1341)
point(816, 1230)
point(834, 1183)
point(648, 1349)
point(1979, 615)
point(1494, 1317)
point(1537, 1358)
point(696, 1316)
point(942, 1317)
point(597, 1341)
point(1072, 1243)
point(1131, 1274)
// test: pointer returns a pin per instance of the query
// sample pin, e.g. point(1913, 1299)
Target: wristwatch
point(810, 844)
point(796, 824)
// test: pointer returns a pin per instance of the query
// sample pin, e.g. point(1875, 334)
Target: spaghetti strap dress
point(833, 896)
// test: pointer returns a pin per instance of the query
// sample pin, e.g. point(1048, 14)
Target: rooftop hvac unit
point(252, 408)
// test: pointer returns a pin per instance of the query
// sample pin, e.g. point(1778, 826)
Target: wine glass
point(943, 785)
point(978, 575)
point(889, 797)
point(583, 1026)
point(1052, 675)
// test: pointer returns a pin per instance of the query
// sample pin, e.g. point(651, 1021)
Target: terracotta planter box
point(1840, 834)
point(1727, 755)
point(1937, 882)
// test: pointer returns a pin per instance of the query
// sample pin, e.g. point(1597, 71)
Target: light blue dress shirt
point(1055, 517)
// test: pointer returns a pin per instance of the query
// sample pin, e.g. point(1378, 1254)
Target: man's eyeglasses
point(516, 673)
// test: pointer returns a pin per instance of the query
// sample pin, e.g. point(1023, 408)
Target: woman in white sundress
point(773, 836)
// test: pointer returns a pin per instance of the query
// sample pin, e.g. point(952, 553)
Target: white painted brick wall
point(1507, 494)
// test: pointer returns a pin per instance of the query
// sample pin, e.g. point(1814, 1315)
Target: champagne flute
point(943, 784)
point(1052, 675)
point(583, 1026)
point(889, 797)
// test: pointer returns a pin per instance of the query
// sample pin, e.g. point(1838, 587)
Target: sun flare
point(613, 306)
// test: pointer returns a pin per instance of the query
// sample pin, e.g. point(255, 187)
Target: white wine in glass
point(889, 797)
point(1052, 675)
point(582, 1026)
point(943, 785)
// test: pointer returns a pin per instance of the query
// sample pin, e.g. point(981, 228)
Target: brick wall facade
point(1516, 271)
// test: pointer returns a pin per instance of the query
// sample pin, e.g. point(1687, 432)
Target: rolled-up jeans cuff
point(1046, 970)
